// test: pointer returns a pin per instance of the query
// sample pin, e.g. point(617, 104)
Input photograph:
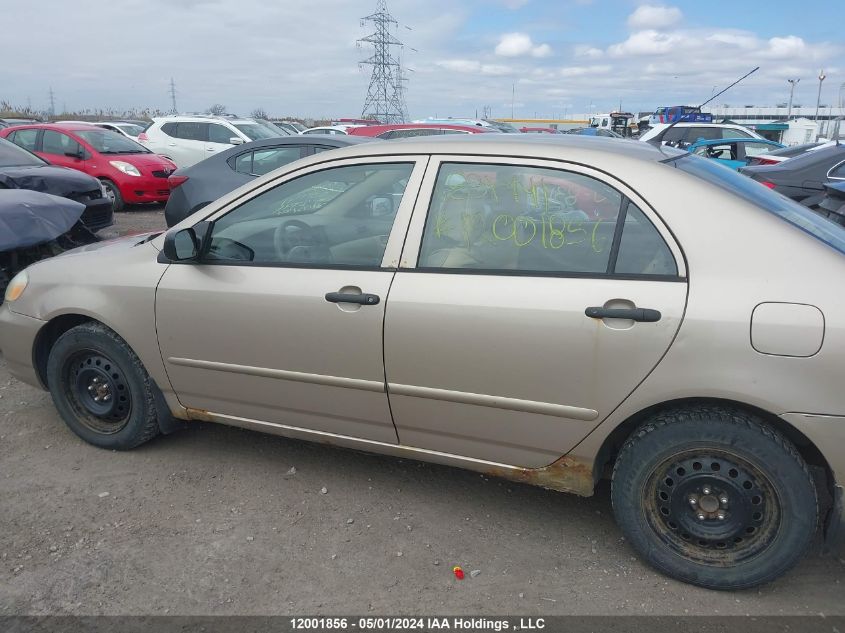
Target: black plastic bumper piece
point(834, 536)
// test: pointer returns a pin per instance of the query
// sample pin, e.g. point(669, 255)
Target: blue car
point(733, 152)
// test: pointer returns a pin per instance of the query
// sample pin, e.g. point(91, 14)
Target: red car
point(404, 130)
point(130, 172)
point(539, 130)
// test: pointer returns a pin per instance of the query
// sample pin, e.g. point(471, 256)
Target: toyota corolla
point(550, 310)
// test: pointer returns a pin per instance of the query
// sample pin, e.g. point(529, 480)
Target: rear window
point(761, 196)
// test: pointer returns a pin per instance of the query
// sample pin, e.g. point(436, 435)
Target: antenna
point(729, 87)
point(657, 141)
point(385, 95)
point(173, 109)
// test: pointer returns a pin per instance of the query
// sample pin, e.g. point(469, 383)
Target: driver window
point(340, 216)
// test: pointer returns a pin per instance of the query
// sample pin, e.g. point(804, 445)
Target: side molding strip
point(496, 402)
point(281, 374)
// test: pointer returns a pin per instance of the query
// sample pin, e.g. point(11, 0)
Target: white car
point(328, 129)
point(130, 130)
point(187, 140)
point(683, 134)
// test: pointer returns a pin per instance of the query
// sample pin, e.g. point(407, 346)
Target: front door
point(60, 149)
point(530, 302)
point(282, 321)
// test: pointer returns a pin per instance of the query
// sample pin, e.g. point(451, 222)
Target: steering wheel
point(289, 234)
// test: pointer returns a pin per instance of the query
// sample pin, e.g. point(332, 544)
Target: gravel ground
point(216, 520)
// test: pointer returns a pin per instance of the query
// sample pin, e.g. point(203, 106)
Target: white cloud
point(651, 16)
point(649, 42)
point(472, 66)
point(589, 52)
point(580, 71)
point(520, 45)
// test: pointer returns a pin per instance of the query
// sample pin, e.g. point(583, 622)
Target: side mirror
point(236, 140)
point(80, 155)
point(188, 244)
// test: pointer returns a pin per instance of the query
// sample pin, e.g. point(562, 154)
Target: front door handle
point(363, 299)
point(644, 315)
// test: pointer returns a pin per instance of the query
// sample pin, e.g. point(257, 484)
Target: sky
point(535, 58)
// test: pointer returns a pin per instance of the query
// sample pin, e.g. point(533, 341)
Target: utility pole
point(819, 98)
point(385, 96)
point(792, 83)
point(513, 96)
point(173, 109)
point(52, 102)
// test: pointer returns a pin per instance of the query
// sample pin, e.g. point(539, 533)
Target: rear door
point(502, 340)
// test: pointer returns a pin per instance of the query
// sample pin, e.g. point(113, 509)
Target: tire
point(101, 389)
point(712, 497)
point(113, 192)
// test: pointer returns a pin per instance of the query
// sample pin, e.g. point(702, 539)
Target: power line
point(385, 95)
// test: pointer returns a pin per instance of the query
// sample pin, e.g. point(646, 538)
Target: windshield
point(255, 132)
point(761, 196)
point(108, 142)
point(275, 128)
point(13, 156)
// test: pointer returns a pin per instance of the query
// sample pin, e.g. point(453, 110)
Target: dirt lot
point(216, 520)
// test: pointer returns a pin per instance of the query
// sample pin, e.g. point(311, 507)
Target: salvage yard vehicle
point(803, 176)
point(733, 152)
point(194, 187)
point(35, 226)
point(20, 169)
point(550, 310)
point(188, 139)
point(685, 134)
point(407, 130)
point(130, 130)
point(130, 173)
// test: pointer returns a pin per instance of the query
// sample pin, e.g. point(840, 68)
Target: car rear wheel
point(101, 389)
point(113, 193)
point(713, 497)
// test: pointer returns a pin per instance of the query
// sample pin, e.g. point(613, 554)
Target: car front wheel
point(113, 194)
point(713, 497)
point(101, 389)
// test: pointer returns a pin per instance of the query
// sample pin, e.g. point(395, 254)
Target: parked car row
point(130, 173)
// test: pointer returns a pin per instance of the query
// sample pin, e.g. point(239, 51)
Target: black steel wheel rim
point(712, 506)
point(98, 391)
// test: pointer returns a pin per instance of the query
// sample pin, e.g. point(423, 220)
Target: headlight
point(16, 287)
point(126, 168)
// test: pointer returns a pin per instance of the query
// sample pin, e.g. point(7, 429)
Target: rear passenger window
point(263, 161)
point(191, 131)
point(170, 129)
point(24, 138)
point(513, 218)
point(531, 219)
point(642, 250)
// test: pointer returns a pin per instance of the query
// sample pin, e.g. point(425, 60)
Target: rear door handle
point(644, 315)
point(363, 299)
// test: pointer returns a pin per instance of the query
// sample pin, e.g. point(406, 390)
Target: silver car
point(549, 310)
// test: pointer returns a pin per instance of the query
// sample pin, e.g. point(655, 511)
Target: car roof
point(337, 141)
point(594, 151)
point(189, 118)
point(71, 126)
point(739, 139)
